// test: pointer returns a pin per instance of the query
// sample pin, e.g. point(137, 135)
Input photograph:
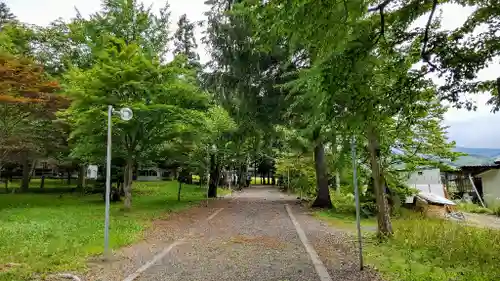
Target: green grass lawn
point(345, 221)
point(48, 233)
point(428, 249)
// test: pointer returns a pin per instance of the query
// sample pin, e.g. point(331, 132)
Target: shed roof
point(496, 169)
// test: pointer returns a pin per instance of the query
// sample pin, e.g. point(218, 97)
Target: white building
point(151, 174)
point(491, 187)
point(426, 180)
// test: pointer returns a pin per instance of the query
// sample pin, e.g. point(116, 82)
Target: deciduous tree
point(165, 101)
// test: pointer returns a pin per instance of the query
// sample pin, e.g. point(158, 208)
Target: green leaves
point(164, 101)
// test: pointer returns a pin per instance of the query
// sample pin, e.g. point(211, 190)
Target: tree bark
point(179, 191)
point(323, 199)
point(68, 178)
point(127, 183)
point(242, 176)
point(254, 172)
point(6, 179)
point(214, 177)
point(81, 177)
point(337, 183)
point(42, 182)
point(26, 173)
point(383, 216)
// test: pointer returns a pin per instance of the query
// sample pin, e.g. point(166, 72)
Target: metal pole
point(475, 190)
point(356, 196)
point(208, 176)
point(108, 185)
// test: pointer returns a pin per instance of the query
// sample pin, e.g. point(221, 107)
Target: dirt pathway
point(248, 237)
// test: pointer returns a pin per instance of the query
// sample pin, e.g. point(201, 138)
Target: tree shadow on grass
point(8, 201)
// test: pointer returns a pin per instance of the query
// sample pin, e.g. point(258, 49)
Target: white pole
point(356, 196)
point(108, 185)
point(288, 179)
point(208, 177)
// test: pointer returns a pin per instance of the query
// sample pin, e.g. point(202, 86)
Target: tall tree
point(27, 107)
point(6, 16)
point(351, 72)
point(185, 42)
point(164, 98)
point(243, 78)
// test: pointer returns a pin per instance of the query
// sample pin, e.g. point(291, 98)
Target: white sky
point(472, 129)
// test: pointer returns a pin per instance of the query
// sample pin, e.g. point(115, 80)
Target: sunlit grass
point(52, 233)
point(35, 183)
point(428, 249)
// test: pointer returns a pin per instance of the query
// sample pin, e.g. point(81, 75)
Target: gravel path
point(252, 238)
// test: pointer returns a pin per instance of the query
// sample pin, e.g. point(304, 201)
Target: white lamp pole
point(125, 114)
point(356, 197)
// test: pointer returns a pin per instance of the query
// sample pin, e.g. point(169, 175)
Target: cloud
point(480, 132)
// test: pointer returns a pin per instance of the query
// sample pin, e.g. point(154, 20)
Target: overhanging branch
point(381, 6)
point(424, 54)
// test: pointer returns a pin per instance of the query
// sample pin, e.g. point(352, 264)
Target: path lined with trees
point(251, 237)
point(288, 87)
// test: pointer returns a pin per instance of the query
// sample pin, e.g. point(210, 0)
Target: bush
point(496, 211)
point(343, 202)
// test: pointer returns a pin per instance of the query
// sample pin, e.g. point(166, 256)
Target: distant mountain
point(476, 156)
point(484, 152)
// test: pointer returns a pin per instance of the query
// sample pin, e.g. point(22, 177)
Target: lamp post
point(125, 114)
point(356, 197)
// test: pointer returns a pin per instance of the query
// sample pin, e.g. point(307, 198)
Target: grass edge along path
point(47, 233)
point(426, 249)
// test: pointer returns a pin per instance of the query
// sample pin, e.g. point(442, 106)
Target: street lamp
point(356, 198)
point(125, 114)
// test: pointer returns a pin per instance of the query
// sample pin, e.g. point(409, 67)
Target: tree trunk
point(323, 199)
point(6, 180)
point(81, 177)
point(179, 191)
point(254, 172)
point(383, 217)
point(32, 170)
point(242, 176)
point(337, 182)
point(26, 173)
point(127, 183)
point(214, 177)
point(68, 178)
point(42, 182)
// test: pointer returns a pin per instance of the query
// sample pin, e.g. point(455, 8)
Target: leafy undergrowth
point(474, 208)
point(43, 233)
point(429, 249)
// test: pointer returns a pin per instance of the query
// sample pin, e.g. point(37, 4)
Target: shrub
point(343, 202)
point(496, 211)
